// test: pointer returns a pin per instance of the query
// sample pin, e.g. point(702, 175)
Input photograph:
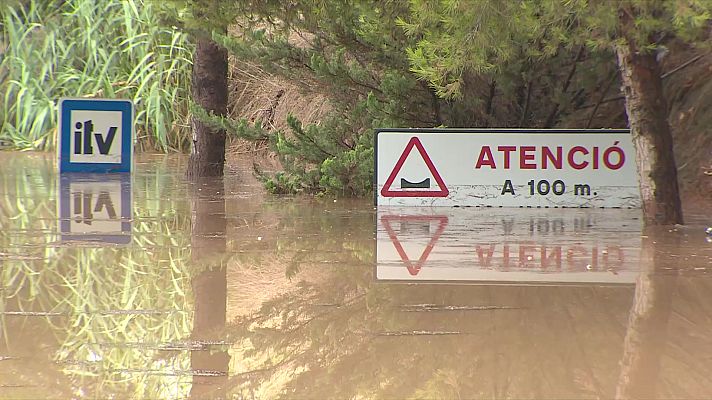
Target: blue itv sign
point(95, 208)
point(95, 135)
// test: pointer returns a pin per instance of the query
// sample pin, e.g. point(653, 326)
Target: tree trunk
point(209, 90)
point(647, 116)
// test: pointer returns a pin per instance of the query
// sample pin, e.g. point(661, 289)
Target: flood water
point(147, 286)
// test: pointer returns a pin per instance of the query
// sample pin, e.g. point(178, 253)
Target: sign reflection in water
point(519, 246)
point(95, 207)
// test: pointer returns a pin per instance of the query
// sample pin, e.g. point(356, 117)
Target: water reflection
point(508, 245)
point(448, 341)
point(104, 315)
point(647, 331)
point(96, 208)
point(226, 292)
point(209, 284)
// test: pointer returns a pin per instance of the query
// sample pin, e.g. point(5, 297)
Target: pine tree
point(436, 63)
point(523, 49)
point(484, 37)
point(355, 53)
point(642, 28)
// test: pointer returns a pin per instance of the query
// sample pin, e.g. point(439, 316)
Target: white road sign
point(505, 168)
point(95, 135)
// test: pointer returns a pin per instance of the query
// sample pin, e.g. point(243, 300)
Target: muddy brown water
point(148, 286)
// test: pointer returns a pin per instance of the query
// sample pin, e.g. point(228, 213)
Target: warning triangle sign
point(414, 267)
point(414, 189)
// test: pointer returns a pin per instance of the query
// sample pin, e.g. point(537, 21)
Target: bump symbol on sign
point(424, 184)
point(422, 188)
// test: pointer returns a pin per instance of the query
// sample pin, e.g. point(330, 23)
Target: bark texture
point(647, 116)
point(209, 89)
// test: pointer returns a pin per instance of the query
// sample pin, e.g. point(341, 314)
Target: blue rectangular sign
point(95, 135)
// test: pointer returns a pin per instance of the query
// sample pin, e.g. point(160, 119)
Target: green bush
point(315, 159)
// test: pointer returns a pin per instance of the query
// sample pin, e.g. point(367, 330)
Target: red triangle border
point(414, 142)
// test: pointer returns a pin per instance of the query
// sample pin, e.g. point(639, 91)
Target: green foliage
point(423, 63)
point(407, 64)
point(498, 40)
point(200, 17)
point(237, 128)
point(314, 160)
point(352, 53)
point(484, 37)
point(84, 48)
point(350, 172)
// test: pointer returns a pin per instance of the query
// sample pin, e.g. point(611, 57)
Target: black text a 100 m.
point(543, 187)
point(557, 187)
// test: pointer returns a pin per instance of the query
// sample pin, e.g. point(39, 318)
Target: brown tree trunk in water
point(209, 90)
point(647, 116)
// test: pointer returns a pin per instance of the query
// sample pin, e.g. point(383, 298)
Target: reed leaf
point(87, 48)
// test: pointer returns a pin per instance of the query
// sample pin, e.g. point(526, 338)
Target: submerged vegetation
point(85, 48)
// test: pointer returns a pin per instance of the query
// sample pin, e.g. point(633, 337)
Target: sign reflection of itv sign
point(95, 208)
point(96, 135)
